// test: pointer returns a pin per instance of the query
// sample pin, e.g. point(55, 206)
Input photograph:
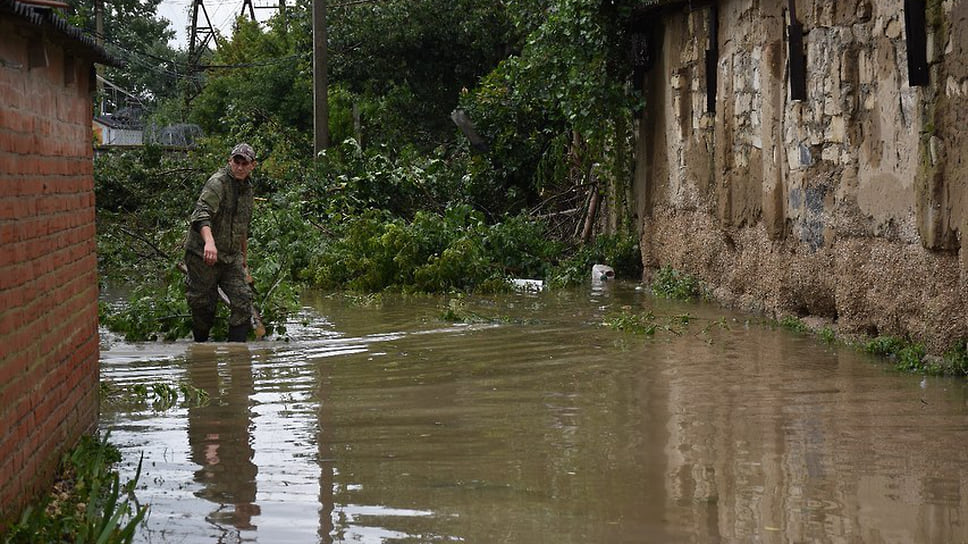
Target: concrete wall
point(847, 205)
point(48, 281)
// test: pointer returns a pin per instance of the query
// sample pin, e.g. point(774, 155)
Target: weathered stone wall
point(848, 205)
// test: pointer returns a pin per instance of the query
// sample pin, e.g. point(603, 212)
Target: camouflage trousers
point(201, 290)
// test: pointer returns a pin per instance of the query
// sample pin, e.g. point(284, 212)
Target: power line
point(130, 53)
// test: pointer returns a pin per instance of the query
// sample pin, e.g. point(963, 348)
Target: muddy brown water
point(381, 422)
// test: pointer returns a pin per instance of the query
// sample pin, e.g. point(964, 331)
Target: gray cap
point(244, 150)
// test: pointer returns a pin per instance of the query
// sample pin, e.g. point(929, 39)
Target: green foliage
point(671, 283)
point(148, 180)
point(884, 345)
point(907, 356)
point(153, 311)
point(527, 149)
point(161, 396)
point(351, 180)
point(637, 323)
point(794, 324)
point(618, 251)
point(134, 33)
point(453, 251)
point(955, 360)
point(827, 335)
point(647, 323)
point(88, 502)
point(143, 200)
point(457, 312)
point(911, 358)
point(559, 106)
point(571, 65)
point(411, 58)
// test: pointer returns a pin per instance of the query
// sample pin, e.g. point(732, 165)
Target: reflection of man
point(218, 434)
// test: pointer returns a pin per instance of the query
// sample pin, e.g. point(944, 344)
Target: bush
point(445, 252)
point(618, 251)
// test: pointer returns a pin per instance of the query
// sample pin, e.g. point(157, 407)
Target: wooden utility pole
point(320, 99)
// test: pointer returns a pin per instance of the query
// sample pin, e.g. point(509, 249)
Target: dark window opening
point(915, 27)
point(712, 60)
point(798, 60)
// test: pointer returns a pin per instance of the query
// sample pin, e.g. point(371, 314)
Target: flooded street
point(382, 422)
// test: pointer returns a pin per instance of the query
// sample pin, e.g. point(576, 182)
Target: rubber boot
point(201, 324)
point(239, 333)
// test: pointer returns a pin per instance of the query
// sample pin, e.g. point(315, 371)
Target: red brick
point(48, 289)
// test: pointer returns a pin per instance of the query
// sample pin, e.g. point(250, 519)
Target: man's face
point(241, 166)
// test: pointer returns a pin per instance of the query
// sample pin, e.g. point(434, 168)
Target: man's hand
point(210, 253)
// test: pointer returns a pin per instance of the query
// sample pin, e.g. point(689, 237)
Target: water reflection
point(380, 423)
point(219, 434)
point(327, 468)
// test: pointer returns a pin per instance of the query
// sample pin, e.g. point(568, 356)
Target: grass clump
point(907, 356)
point(794, 324)
point(671, 283)
point(87, 504)
point(955, 360)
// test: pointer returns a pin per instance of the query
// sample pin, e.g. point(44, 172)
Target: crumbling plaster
point(849, 205)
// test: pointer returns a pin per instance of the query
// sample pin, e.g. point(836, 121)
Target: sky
point(221, 12)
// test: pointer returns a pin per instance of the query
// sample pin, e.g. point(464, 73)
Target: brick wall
point(48, 276)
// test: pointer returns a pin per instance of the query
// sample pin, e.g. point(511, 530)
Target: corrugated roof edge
point(43, 16)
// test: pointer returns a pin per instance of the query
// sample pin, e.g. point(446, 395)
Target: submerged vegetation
point(160, 396)
point(912, 357)
point(905, 355)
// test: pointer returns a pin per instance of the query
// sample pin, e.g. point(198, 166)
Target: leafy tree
point(257, 77)
point(412, 57)
point(572, 65)
point(135, 34)
point(560, 106)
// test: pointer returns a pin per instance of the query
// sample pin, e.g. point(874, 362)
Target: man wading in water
point(216, 247)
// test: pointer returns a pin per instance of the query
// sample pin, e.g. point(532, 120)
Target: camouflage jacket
point(225, 205)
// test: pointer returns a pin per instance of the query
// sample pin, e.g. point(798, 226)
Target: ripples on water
point(380, 423)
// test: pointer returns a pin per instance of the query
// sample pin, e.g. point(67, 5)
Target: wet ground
point(380, 421)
